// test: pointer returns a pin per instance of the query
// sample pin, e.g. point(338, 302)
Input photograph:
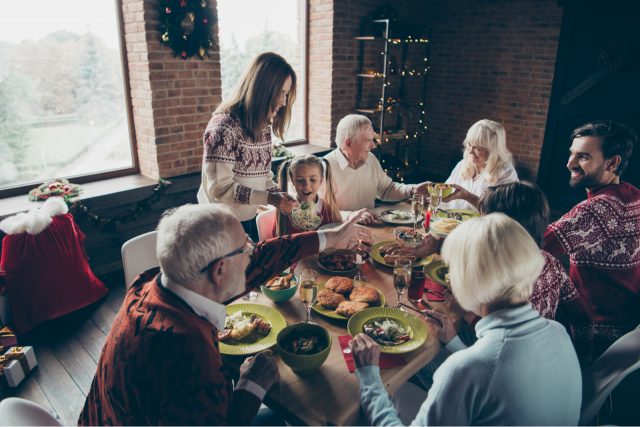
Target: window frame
point(24, 188)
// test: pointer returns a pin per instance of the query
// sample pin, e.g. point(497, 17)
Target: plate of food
point(305, 217)
point(249, 329)
point(438, 272)
point(459, 214)
point(388, 251)
point(408, 237)
point(398, 216)
point(395, 330)
point(338, 298)
point(444, 226)
point(339, 261)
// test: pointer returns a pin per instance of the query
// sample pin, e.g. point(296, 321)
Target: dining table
point(330, 395)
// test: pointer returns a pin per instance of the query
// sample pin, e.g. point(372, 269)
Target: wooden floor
point(68, 350)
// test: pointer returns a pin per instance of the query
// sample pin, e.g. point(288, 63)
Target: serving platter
point(327, 312)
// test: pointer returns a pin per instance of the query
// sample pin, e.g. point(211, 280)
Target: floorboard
point(77, 362)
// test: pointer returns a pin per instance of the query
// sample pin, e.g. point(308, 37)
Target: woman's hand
point(339, 236)
point(461, 194)
point(366, 217)
point(366, 352)
point(454, 306)
point(443, 324)
point(430, 245)
point(282, 201)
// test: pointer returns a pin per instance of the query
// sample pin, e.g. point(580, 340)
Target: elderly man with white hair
point(160, 364)
point(357, 174)
point(523, 369)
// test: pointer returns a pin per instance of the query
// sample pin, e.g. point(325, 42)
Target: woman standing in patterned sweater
point(236, 168)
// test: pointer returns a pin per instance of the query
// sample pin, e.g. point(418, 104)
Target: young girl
point(307, 174)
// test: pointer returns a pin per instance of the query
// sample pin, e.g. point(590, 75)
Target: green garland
point(80, 210)
point(176, 19)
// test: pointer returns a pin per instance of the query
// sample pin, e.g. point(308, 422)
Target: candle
point(427, 220)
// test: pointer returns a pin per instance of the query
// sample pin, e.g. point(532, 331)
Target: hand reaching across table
point(461, 194)
point(339, 236)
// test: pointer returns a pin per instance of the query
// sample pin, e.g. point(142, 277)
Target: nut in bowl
point(280, 288)
point(408, 237)
point(303, 347)
point(444, 226)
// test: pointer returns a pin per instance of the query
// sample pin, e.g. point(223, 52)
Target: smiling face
point(589, 169)
point(283, 96)
point(478, 155)
point(306, 180)
point(358, 148)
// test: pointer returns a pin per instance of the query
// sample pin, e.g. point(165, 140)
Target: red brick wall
point(172, 98)
point(490, 59)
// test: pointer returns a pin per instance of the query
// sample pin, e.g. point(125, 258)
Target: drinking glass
point(308, 290)
point(362, 251)
point(435, 198)
point(416, 288)
point(417, 206)
point(401, 278)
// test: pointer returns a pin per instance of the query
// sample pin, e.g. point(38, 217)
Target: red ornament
point(183, 3)
point(167, 10)
point(183, 54)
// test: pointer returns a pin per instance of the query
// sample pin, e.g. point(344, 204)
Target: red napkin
point(433, 290)
point(386, 360)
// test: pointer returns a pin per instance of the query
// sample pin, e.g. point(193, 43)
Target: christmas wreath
point(58, 187)
point(186, 26)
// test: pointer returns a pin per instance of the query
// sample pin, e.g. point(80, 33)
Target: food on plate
point(392, 251)
point(349, 308)
point(279, 283)
point(366, 294)
point(305, 345)
point(387, 331)
point(436, 186)
point(305, 216)
point(445, 225)
point(339, 284)
point(408, 237)
point(239, 326)
point(398, 215)
point(339, 260)
point(329, 299)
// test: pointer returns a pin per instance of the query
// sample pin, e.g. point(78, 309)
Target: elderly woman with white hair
point(523, 369)
point(486, 162)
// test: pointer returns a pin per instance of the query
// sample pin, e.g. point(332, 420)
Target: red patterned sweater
point(553, 289)
point(236, 169)
point(601, 236)
point(161, 365)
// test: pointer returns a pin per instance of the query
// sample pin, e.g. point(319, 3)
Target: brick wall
point(490, 59)
point(172, 98)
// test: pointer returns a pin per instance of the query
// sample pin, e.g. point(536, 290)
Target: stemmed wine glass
point(435, 198)
point(401, 278)
point(417, 206)
point(308, 290)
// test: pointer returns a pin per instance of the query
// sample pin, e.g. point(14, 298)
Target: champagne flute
point(435, 198)
point(308, 290)
point(401, 278)
point(417, 206)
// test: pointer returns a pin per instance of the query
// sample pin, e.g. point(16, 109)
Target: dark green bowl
point(303, 364)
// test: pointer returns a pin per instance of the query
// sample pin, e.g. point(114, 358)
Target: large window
point(250, 27)
point(62, 98)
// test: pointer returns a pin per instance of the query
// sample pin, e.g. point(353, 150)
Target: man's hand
point(461, 194)
point(443, 324)
point(430, 245)
point(422, 189)
point(365, 351)
point(339, 236)
point(282, 201)
point(366, 217)
point(261, 369)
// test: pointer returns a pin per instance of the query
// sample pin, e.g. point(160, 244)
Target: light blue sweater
point(523, 370)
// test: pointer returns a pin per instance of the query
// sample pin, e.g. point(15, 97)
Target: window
point(250, 27)
point(63, 111)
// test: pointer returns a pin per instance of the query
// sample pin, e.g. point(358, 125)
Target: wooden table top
point(330, 396)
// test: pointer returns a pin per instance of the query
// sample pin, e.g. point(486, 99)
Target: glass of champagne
point(308, 290)
point(401, 278)
point(417, 206)
point(435, 198)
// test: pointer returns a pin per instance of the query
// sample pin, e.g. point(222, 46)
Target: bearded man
point(601, 235)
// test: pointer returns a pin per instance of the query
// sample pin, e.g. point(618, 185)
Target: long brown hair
point(257, 93)
point(286, 172)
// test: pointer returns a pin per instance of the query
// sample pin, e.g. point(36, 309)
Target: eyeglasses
point(248, 247)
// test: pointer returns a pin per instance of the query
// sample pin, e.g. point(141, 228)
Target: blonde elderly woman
point(359, 179)
point(523, 369)
point(486, 162)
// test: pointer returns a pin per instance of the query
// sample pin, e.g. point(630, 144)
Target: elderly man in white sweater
point(357, 174)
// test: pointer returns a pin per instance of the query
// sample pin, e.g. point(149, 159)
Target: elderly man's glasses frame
point(248, 247)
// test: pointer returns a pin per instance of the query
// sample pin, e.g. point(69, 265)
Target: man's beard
point(590, 180)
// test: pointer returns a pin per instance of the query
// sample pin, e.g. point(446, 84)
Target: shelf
point(392, 40)
point(367, 110)
point(370, 76)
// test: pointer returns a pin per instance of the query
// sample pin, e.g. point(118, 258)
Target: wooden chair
point(599, 380)
point(138, 255)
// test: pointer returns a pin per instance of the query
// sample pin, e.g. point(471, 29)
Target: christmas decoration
point(58, 187)
point(186, 26)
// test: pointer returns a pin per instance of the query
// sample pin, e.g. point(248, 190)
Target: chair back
point(138, 255)
point(21, 412)
point(599, 380)
point(266, 221)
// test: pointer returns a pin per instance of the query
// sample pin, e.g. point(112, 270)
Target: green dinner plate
point(375, 254)
point(418, 330)
point(436, 271)
point(252, 344)
point(464, 213)
point(327, 312)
